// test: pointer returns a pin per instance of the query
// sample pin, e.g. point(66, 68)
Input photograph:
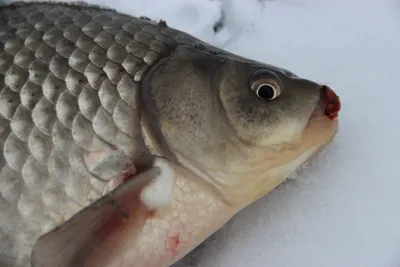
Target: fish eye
point(266, 87)
point(266, 91)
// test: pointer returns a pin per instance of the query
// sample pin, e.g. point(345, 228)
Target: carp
point(128, 143)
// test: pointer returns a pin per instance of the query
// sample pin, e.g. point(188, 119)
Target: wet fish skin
point(69, 78)
point(91, 98)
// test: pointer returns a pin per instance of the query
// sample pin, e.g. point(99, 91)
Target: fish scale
point(69, 80)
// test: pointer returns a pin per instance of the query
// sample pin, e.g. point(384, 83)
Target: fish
point(126, 142)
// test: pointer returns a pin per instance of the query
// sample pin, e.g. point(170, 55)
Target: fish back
point(69, 111)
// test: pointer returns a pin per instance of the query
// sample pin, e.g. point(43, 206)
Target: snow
point(344, 209)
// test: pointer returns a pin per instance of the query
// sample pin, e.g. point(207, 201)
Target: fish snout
point(330, 102)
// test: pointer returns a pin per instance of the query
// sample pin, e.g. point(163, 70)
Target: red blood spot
point(172, 244)
point(129, 173)
point(151, 213)
point(332, 103)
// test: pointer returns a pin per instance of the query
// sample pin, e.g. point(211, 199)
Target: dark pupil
point(266, 92)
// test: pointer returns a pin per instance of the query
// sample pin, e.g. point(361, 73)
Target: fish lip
point(323, 123)
point(319, 120)
point(328, 106)
point(330, 102)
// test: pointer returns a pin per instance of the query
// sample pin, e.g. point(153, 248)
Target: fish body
point(127, 143)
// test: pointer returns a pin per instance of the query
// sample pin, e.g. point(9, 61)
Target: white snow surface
point(344, 209)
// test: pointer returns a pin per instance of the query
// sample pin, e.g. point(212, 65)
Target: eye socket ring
point(266, 88)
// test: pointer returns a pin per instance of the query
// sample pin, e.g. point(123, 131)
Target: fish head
point(238, 124)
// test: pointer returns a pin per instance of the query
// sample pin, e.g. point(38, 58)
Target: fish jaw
point(247, 183)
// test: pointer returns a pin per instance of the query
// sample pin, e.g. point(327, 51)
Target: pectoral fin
point(94, 236)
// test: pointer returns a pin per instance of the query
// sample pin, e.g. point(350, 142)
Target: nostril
point(332, 102)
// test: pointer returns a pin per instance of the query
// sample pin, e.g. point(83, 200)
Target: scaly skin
point(91, 100)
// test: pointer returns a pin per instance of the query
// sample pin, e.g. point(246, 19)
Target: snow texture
point(344, 209)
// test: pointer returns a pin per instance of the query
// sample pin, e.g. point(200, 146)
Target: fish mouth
point(327, 109)
point(321, 128)
point(323, 123)
point(331, 102)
